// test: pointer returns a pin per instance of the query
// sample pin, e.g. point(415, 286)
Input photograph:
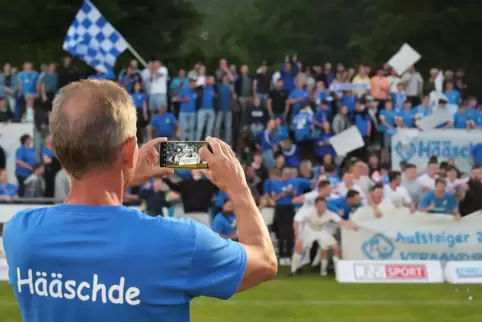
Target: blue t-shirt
point(164, 125)
point(278, 187)
point(322, 115)
point(407, 117)
point(189, 106)
point(265, 140)
point(281, 133)
point(321, 150)
point(349, 101)
point(389, 117)
point(8, 189)
point(337, 204)
point(453, 96)
point(302, 126)
point(421, 111)
point(445, 205)
point(221, 197)
point(289, 77)
point(29, 82)
point(267, 185)
point(225, 97)
point(179, 83)
point(399, 99)
point(361, 122)
point(128, 82)
point(105, 263)
point(208, 98)
point(225, 225)
point(26, 155)
point(460, 119)
point(297, 93)
point(48, 152)
point(139, 99)
point(292, 158)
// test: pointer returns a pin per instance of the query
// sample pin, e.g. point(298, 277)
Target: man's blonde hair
point(90, 121)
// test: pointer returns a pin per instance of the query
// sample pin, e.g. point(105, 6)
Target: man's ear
point(128, 152)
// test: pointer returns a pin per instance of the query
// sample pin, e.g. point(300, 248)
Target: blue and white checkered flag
point(93, 39)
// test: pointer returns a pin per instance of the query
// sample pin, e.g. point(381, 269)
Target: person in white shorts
point(311, 226)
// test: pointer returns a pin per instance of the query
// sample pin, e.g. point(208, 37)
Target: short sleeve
point(153, 122)
point(292, 95)
point(218, 225)
point(217, 266)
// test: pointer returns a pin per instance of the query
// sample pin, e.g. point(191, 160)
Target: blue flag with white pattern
point(93, 39)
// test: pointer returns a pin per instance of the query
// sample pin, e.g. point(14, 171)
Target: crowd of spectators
point(279, 123)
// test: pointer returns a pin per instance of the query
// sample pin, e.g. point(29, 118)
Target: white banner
point(464, 272)
point(417, 147)
point(364, 271)
point(10, 134)
point(399, 235)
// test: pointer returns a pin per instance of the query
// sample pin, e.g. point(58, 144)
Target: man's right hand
point(224, 171)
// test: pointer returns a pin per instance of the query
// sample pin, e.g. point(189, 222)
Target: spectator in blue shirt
point(49, 86)
point(296, 98)
point(224, 114)
point(281, 131)
point(345, 206)
point(363, 121)
point(303, 131)
point(24, 161)
point(323, 145)
point(322, 114)
point(349, 99)
point(8, 191)
point(266, 143)
point(399, 98)
point(206, 115)
point(282, 192)
point(28, 86)
point(163, 124)
point(139, 98)
point(387, 127)
point(224, 223)
point(461, 117)
point(219, 201)
point(405, 117)
point(155, 199)
point(288, 72)
point(290, 152)
point(274, 175)
point(439, 201)
point(453, 95)
point(178, 83)
point(188, 98)
point(129, 79)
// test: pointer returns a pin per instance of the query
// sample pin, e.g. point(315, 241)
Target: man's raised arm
point(226, 172)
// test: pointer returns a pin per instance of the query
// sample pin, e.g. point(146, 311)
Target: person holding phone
point(96, 260)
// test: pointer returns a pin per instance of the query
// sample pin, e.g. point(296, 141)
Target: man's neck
point(393, 186)
point(439, 194)
point(97, 189)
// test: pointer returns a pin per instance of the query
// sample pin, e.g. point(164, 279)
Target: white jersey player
point(311, 226)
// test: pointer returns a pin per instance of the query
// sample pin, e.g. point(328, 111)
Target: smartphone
point(182, 155)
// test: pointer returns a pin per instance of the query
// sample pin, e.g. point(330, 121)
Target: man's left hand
point(148, 163)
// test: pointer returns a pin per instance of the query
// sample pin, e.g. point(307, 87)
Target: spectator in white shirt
point(412, 82)
point(427, 180)
point(158, 87)
point(348, 184)
point(397, 194)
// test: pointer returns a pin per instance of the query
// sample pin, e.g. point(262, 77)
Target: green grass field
point(313, 298)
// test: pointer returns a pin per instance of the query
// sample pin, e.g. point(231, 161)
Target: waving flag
point(93, 39)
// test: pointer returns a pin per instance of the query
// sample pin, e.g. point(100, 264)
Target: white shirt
point(398, 197)
point(393, 81)
point(414, 84)
point(426, 182)
point(311, 220)
point(275, 77)
point(159, 83)
point(200, 80)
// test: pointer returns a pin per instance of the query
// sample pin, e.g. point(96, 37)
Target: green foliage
point(35, 30)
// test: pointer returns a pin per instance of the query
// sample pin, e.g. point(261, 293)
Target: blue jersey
point(29, 82)
point(164, 124)
point(139, 99)
point(326, 148)
point(297, 93)
point(81, 263)
point(265, 140)
point(8, 189)
point(407, 117)
point(445, 205)
point(190, 105)
point(278, 187)
point(292, 158)
point(26, 155)
point(341, 204)
point(221, 197)
point(453, 96)
point(302, 126)
point(225, 225)
point(389, 117)
point(461, 119)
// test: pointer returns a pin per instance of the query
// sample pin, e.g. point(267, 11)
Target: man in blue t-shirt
point(163, 124)
point(297, 97)
point(92, 259)
point(206, 114)
point(224, 223)
point(345, 206)
point(405, 117)
point(24, 161)
point(453, 95)
point(439, 201)
point(224, 114)
point(187, 98)
point(461, 117)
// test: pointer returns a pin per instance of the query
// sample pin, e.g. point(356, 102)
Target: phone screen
point(182, 155)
